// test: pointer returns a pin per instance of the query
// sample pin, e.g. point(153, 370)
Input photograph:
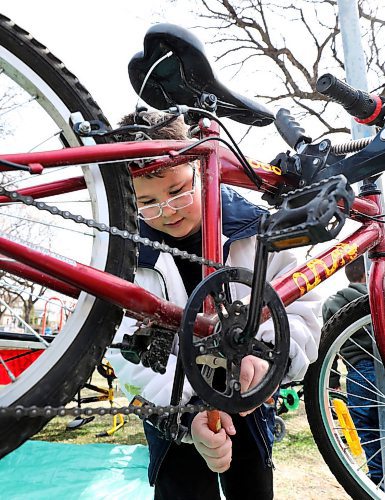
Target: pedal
point(155, 420)
point(310, 215)
point(165, 423)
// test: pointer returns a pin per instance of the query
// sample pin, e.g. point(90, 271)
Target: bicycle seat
point(185, 75)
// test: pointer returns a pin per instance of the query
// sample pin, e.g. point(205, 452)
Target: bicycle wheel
point(37, 96)
point(345, 422)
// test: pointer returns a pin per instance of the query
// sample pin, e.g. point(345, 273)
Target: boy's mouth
point(174, 224)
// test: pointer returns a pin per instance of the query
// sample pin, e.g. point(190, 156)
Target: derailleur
point(149, 345)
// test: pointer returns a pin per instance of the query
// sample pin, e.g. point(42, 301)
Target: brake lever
point(309, 158)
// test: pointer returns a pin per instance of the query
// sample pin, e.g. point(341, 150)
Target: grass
point(131, 432)
point(298, 441)
point(56, 431)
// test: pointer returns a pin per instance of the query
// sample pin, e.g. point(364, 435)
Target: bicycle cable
point(234, 148)
point(255, 178)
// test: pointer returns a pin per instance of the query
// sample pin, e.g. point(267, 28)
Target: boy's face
point(174, 181)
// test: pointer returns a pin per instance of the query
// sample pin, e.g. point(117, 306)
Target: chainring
point(221, 348)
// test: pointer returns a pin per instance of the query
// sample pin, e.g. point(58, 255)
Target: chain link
point(144, 411)
point(62, 411)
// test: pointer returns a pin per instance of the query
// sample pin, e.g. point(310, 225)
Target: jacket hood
point(353, 291)
point(240, 219)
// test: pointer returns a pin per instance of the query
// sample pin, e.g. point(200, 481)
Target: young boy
point(169, 204)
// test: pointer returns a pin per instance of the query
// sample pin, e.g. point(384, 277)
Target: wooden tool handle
point(214, 420)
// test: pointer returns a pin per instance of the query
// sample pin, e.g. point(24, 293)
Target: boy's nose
point(167, 211)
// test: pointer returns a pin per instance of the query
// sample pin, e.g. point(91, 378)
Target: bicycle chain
point(104, 228)
point(144, 411)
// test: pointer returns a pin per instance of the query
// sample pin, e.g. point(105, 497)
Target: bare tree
point(15, 291)
point(285, 46)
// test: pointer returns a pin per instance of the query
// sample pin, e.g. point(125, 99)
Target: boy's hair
point(355, 270)
point(175, 130)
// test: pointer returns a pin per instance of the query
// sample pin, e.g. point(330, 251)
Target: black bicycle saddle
point(183, 77)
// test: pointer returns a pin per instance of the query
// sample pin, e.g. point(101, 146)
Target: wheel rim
point(46, 105)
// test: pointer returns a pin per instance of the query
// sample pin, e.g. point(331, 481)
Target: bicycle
point(314, 212)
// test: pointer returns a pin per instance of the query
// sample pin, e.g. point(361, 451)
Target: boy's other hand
point(253, 370)
point(215, 448)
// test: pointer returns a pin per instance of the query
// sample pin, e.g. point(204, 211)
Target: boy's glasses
point(177, 202)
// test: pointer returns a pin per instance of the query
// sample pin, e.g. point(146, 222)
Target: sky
point(96, 40)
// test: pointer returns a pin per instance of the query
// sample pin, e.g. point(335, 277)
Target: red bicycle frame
point(218, 165)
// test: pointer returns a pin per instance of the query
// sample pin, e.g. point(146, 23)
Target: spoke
point(364, 350)
point(376, 405)
point(9, 373)
point(19, 290)
point(46, 171)
point(52, 136)
point(26, 325)
point(36, 221)
point(16, 106)
point(371, 440)
point(375, 391)
point(371, 457)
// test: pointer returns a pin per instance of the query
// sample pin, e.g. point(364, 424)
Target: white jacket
point(165, 281)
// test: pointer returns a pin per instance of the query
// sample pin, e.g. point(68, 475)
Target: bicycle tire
point(56, 375)
point(349, 469)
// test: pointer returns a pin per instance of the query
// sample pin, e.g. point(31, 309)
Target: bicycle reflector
point(309, 215)
point(347, 426)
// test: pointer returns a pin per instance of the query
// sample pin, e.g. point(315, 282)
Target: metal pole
point(354, 56)
point(355, 68)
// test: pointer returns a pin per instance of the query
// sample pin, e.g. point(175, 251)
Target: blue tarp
point(47, 471)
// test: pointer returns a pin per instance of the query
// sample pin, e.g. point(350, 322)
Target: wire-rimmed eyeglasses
point(177, 202)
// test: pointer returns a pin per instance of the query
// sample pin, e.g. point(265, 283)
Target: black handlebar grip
point(357, 103)
point(290, 131)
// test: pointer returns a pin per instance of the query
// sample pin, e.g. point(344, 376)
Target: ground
point(300, 472)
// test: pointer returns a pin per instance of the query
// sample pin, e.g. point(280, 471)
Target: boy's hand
point(215, 448)
point(253, 370)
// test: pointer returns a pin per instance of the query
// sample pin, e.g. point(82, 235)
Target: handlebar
point(314, 162)
point(364, 107)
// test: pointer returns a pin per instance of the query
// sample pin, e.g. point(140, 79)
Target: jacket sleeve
point(136, 379)
point(305, 327)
